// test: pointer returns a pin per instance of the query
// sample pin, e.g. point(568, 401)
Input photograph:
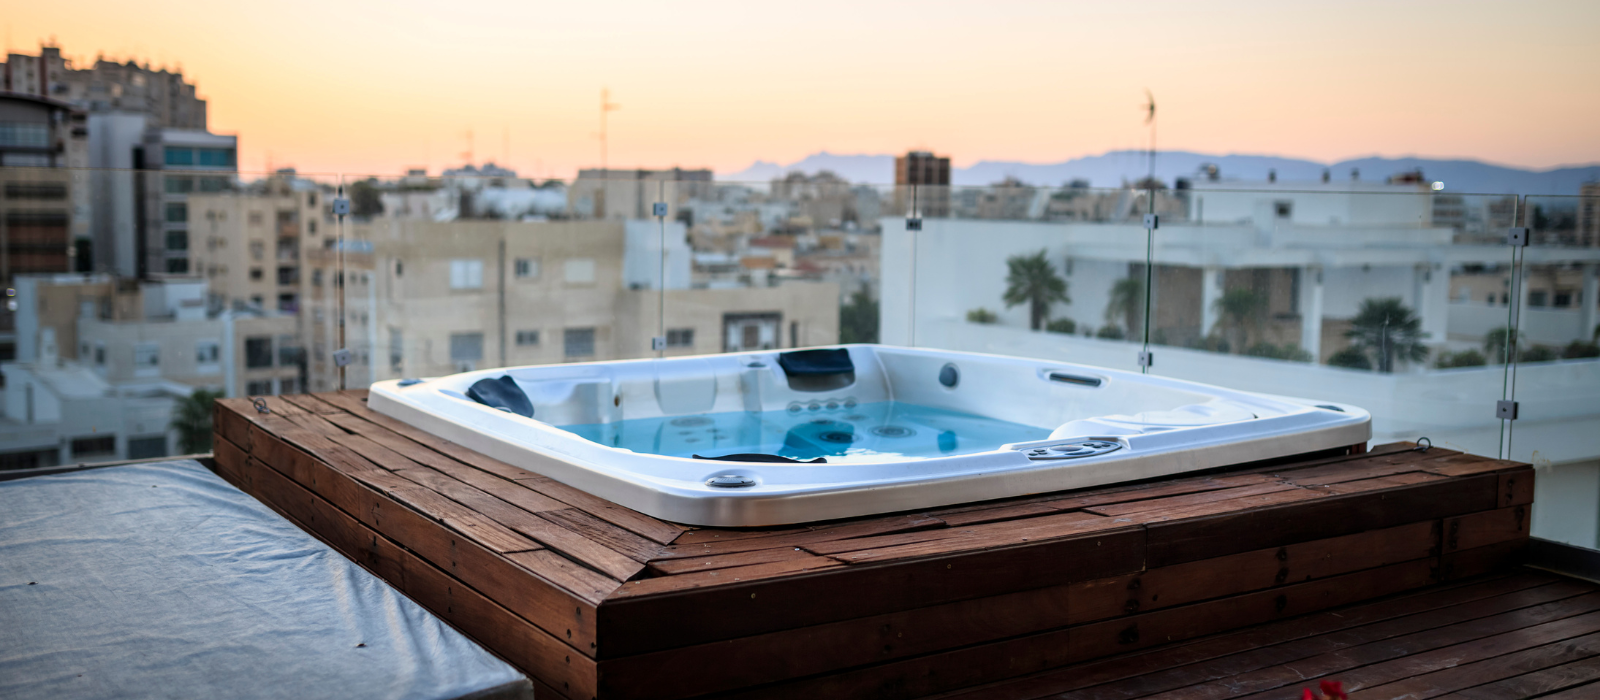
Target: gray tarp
point(162, 580)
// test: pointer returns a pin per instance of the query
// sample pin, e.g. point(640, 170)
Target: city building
point(43, 193)
point(627, 194)
point(163, 96)
point(1589, 215)
point(922, 184)
point(451, 296)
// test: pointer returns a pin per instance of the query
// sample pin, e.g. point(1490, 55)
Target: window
point(1283, 210)
point(1539, 298)
point(578, 342)
point(177, 240)
point(147, 447)
point(311, 228)
point(256, 218)
point(289, 303)
point(262, 387)
point(213, 184)
point(258, 249)
point(24, 135)
point(1563, 298)
point(214, 157)
point(177, 212)
point(36, 190)
point(466, 347)
point(257, 300)
point(466, 274)
point(146, 356)
point(177, 266)
point(397, 348)
point(680, 337)
point(288, 275)
point(207, 352)
point(100, 354)
point(399, 268)
point(97, 446)
point(255, 274)
point(258, 353)
point(316, 277)
point(179, 156)
point(288, 385)
point(527, 338)
point(526, 268)
point(179, 185)
point(579, 270)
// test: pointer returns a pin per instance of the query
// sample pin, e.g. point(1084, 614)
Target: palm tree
point(1389, 330)
point(1127, 305)
point(192, 419)
point(1032, 280)
point(1497, 342)
point(1241, 309)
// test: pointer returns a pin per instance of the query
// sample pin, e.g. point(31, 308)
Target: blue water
point(864, 432)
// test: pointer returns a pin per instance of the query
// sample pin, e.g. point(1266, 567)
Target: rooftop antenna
point(606, 106)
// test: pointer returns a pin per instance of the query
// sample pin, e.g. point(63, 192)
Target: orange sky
point(374, 87)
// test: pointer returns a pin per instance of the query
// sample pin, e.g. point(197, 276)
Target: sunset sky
point(375, 87)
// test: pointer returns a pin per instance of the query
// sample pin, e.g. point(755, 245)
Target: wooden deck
point(597, 601)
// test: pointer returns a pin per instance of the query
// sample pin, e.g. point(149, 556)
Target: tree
point(364, 200)
point(1351, 358)
point(1032, 280)
point(1127, 305)
point(191, 417)
point(1062, 325)
point(1465, 358)
point(1240, 310)
point(858, 320)
point(1496, 343)
point(982, 315)
point(1389, 330)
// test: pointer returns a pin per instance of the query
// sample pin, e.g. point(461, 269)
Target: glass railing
point(1555, 375)
point(129, 290)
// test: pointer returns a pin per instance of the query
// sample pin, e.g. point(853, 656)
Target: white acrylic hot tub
point(907, 429)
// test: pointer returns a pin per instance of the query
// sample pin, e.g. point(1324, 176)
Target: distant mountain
point(1116, 167)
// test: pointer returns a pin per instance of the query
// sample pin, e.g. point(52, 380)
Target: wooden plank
point(988, 536)
point(997, 533)
point(1468, 465)
point(635, 625)
point(1537, 683)
point(524, 645)
point(596, 530)
point(1178, 503)
point(525, 591)
point(312, 404)
point(1516, 487)
point(1379, 662)
point(737, 574)
point(712, 534)
point(1420, 675)
point(1167, 668)
point(1467, 563)
point(651, 528)
point(1371, 467)
point(1485, 528)
point(973, 665)
point(1206, 662)
point(1587, 692)
point(790, 653)
point(1204, 538)
point(1382, 482)
point(761, 556)
point(1141, 492)
point(1232, 505)
point(865, 528)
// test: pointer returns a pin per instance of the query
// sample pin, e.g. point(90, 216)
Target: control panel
point(1074, 449)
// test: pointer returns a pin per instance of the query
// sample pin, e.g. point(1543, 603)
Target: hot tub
point(769, 438)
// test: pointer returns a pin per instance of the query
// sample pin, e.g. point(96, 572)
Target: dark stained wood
point(1569, 675)
point(647, 623)
point(1078, 592)
point(1203, 538)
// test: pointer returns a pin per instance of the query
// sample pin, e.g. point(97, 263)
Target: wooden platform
point(595, 600)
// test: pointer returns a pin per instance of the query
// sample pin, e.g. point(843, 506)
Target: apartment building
point(627, 194)
point(106, 86)
point(43, 193)
point(452, 296)
point(922, 184)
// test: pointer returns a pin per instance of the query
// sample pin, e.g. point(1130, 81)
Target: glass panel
point(1020, 270)
point(1555, 379)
